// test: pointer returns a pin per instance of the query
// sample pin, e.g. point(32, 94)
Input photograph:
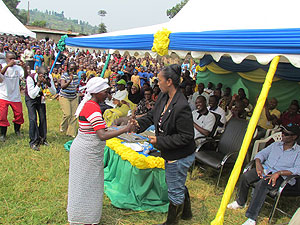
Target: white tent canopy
point(219, 15)
point(9, 24)
point(200, 15)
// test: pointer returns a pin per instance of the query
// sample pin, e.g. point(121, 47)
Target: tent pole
point(54, 62)
point(106, 64)
point(219, 219)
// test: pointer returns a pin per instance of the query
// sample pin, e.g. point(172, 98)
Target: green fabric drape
point(284, 91)
point(130, 188)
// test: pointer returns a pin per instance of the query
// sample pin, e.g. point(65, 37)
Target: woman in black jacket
point(174, 137)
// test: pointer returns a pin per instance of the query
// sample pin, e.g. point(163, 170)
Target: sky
point(121, 14)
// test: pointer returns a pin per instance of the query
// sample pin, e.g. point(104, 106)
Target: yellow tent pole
point(246, 142)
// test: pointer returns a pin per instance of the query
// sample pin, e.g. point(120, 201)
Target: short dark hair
point(201, 96)
point(148, 89)
point(71, 64)
point(173, 72)
point(11, 53)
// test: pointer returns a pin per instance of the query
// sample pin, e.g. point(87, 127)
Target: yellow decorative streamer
point(161, 42)
point(200, 69)
point(247, 139)
point(257, 76)
point(216, 69)
point(135, 159)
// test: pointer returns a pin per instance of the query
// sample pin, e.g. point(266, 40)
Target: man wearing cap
point(273, 164)
point(121, 85)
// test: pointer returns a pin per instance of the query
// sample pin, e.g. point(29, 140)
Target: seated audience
point(268, 117)
point(209, 90)
point(226, 99)
point(290, 116)
point(240, 96)
point(145, 104)
point(156, 91)
point(121, 86)
point(121, 109)
point(237, 111)
point(272, 165)
point(213, 107)
point(135, 94)
point(203, 120)
point(198, 93)
point(217, 92)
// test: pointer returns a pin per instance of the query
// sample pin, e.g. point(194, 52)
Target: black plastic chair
point(211, 135)
point(227, 148)
point(284, 190)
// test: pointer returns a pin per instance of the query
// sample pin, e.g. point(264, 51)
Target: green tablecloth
point(131, 188)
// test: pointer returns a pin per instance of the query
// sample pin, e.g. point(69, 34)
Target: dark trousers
point(37, 132)
point(260, 192)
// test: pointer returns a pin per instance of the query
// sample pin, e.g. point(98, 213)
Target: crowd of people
point(134, 92)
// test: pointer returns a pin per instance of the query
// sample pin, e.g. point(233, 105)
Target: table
point(133, 181)
point(129, 187)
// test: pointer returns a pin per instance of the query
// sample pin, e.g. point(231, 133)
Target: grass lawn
point(33, 185)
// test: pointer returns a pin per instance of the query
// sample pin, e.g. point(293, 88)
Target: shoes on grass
point(234, 205)
point(2, 138)
point(45, 143)
point(249, 222)
point(35, 147)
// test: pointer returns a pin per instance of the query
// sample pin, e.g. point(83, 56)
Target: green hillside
point(58, 21)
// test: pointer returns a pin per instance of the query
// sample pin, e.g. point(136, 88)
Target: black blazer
point(176, 139)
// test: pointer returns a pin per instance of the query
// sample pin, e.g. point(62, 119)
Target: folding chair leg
point(274, 208)
point(219, 177)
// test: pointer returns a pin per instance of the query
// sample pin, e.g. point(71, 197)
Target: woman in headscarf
point(86, 176)
point(135, 94)
point(121, 108)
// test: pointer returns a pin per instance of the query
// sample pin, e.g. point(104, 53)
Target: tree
point(39, 23)
point(102, 28)
point(102, 13)
point(175, 9)
point(12, 6)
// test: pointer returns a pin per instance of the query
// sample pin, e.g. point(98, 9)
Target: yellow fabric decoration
point(161, 42)
point(246, 142)
point(216, 69)
point(257, 76)
point(135, 159)
point(200, 69)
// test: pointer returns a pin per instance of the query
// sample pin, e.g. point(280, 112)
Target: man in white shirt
point(196, 94)
point(35, 102)
point(203, 120)
point(28, 53)
point(10, 94)
point(213, 107)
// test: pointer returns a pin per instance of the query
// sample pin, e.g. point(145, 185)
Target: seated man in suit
point(273, 164)
point(203, 120)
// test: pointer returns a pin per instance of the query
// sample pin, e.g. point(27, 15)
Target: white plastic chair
point(274, 130)
point(260, 144)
